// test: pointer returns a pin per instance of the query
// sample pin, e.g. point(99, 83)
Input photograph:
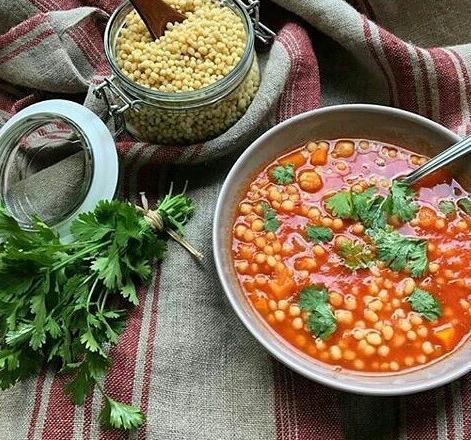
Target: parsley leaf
point(400, 252)
point(321, 321)
point(402, 202)
point(283, 174)
point(119, 415)
point(319, 234)
point(465, 205)
point(341, 204)
point(271, 223)
point(425, 304)
point(447, 207)
point(356, 255)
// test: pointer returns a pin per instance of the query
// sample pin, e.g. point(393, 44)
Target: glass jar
point(186, 117)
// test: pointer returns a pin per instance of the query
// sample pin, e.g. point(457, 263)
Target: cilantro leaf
point(271, 223)
point(465, 205)
point(121, 416)
point(402, 201)
point(447, 207)
point(283, 174)
point(321, 321)
point(425, 304)
point(400, 252)
point(356, 255)
point(341, 205)
point(319, 234)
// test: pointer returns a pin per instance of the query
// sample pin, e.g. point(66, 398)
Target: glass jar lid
point(57, 159)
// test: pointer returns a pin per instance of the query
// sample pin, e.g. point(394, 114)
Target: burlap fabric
point(184, 358)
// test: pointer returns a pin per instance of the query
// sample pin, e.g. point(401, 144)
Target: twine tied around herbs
point(157, 223)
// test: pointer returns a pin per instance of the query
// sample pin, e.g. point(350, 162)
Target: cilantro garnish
point(400, 252)
point(270, 223)
point(65, 304)
point(341, 204)
point(283, 174)
point(402, 201)
point(447, 207)
point(425, 304)
point(465, 205)
point(356, 255)
point(321, 321)
point(319, 234)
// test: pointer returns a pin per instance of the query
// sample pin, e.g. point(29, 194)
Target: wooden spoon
point(156, 14)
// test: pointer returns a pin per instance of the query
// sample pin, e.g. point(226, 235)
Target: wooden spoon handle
point(156, 14)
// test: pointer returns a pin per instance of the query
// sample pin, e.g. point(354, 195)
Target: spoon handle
point(444, 158)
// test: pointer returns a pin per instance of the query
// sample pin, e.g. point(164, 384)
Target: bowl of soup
point(344, 273)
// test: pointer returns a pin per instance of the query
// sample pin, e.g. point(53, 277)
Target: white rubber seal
point(100, 143)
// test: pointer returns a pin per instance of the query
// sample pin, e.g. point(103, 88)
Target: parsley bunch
point(63, 305)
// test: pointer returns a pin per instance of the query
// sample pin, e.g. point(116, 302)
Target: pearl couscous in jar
point(191, 84)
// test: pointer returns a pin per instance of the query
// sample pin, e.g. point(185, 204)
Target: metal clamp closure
point(262, 32)
point(110, 93)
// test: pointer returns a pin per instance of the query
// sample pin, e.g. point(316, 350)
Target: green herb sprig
point(62, 305)
point(283, 174)
point(422, 302)
point(321, 321)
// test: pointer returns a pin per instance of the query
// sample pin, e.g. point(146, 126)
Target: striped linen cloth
point(184, 358)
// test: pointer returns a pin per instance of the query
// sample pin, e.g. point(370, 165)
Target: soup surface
point(351, 266)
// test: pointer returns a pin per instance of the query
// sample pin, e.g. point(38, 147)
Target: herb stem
point(80, 254)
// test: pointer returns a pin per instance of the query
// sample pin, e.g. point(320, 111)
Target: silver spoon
point(452, 153)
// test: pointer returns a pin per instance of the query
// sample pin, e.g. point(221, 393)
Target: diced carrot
point(261, 304)
point(447, 336)
point(319, 156)
point(297, 159)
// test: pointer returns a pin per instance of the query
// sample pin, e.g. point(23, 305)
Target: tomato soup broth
point(345, 287)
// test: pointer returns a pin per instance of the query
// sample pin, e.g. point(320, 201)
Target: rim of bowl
point(290, 359)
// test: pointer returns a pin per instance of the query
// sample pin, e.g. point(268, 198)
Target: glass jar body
point(187, 117)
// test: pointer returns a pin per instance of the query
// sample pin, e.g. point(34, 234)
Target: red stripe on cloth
point(448, 89)
point(21, 30)
point(372, 48)
point(119, 383)
point(421, 416)
point(149, 358)
point(466, 405)
point(37, 404)
point(60, 414)
point(305, 410)
point(399, 60)
point(467, 84)
point(302, 89)
point(26, 46)
point(425, 82)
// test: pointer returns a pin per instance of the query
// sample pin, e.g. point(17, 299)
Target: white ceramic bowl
point(385, 124)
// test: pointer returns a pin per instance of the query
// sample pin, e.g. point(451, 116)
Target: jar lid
point(57, 159)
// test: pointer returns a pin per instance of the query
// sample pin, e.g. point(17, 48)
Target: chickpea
point(433, 267)
point(376, 305)
point(359, 364)
point(297, 323)
point(318, 250)
point(279, 315)
point(374, 338)
point(344, 316)
point(349, 355)
point(314, 213)
point(394, 366)
point(326, 221)
point(260, 258)
point(260, 242)
point(409, 361)
point(239, 231)
point(370, 315)
point(422, 332)
point(242, 267)
point(383, 350)
point(320, 344)
point(369, 350)
point(415, 319)
point(461, 226)
point(336, 299)
point(408, 286)
point(283, 304)
point(245, 208)
point(335, 352)
point(294, 310)
point(344, 148)
point(337, 224)
point(310, 181)
point(358, 228)
point(350, 302)
point(421, 359)
point(405, 325)
point(398, 340)
point(358, 334)
point(272, 305)
point(287, 205)
point(411, 335)
point(427, 347)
